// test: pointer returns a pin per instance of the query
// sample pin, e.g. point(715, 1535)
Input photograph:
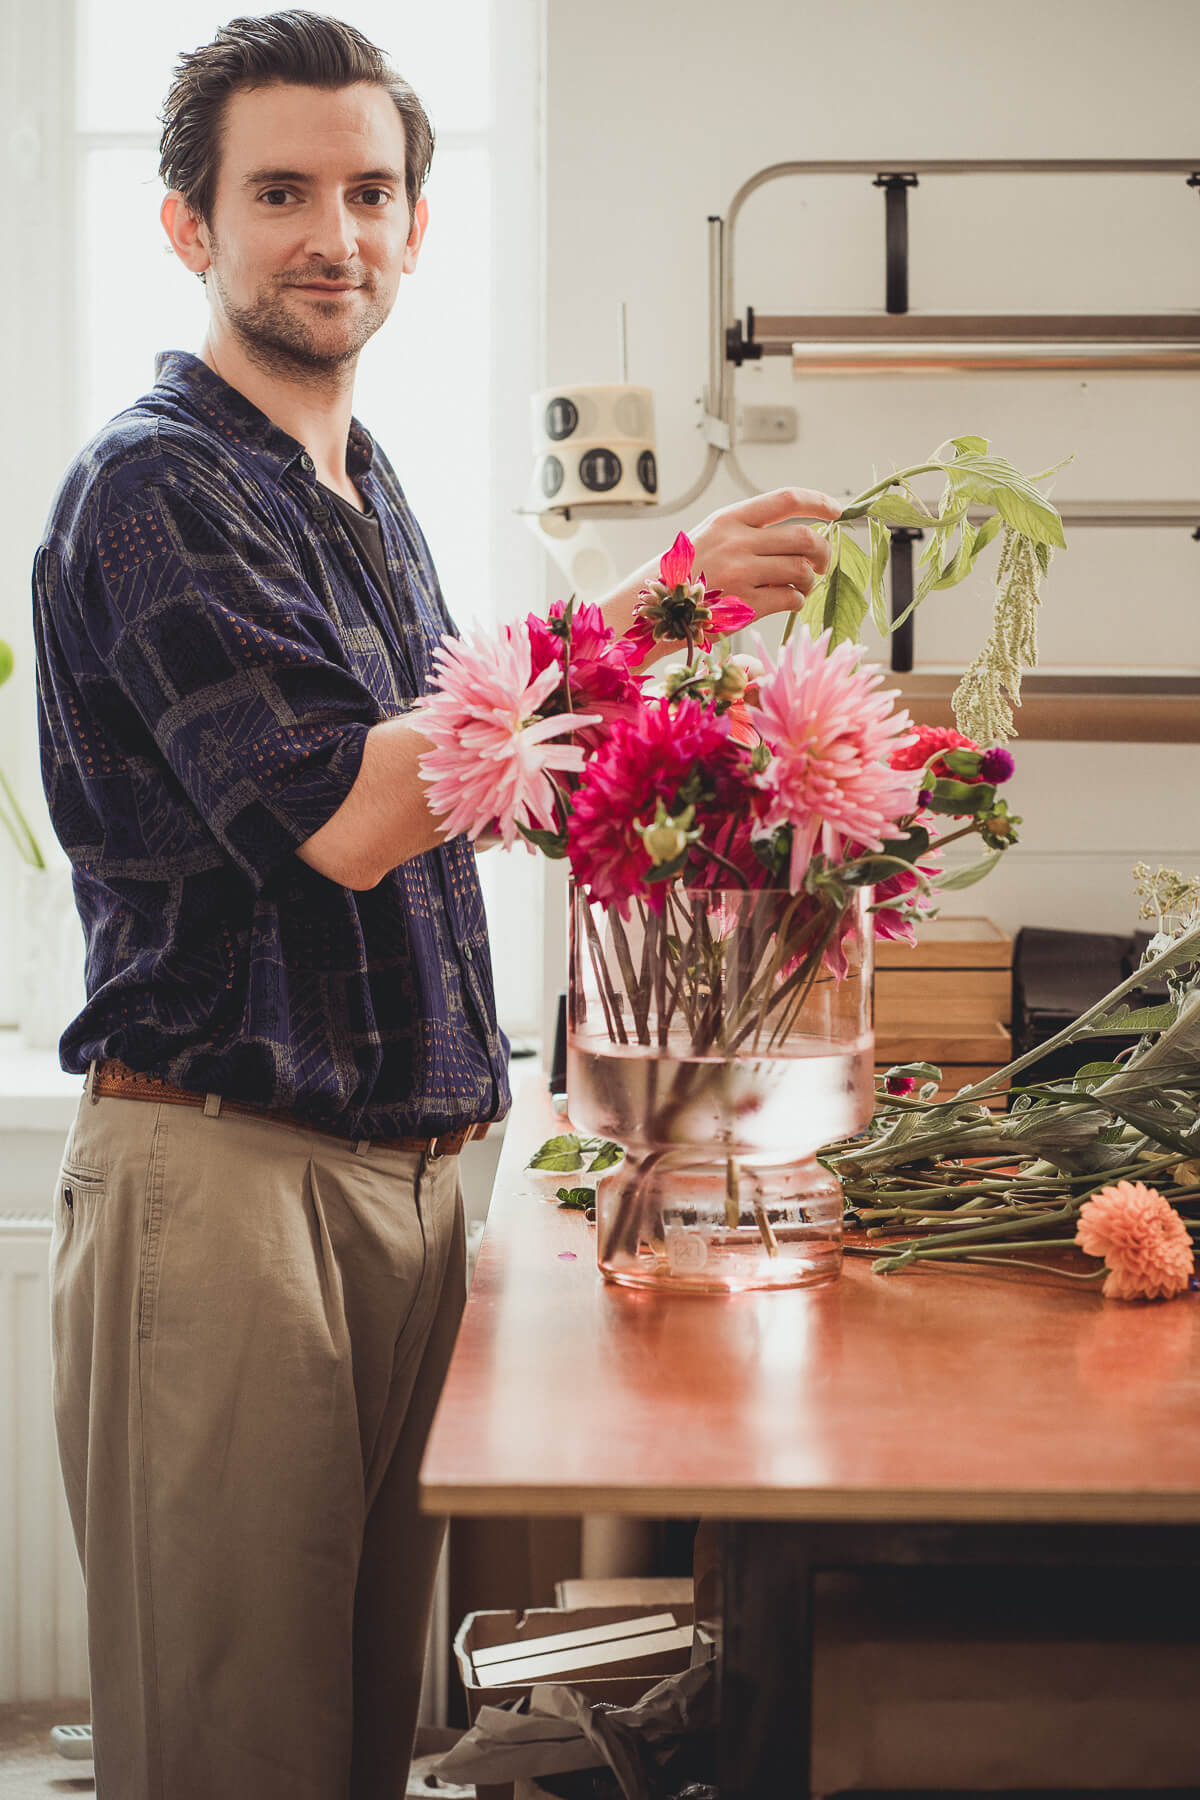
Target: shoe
point(73, 1742)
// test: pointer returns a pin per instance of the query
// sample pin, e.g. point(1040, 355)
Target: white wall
point(658, 112)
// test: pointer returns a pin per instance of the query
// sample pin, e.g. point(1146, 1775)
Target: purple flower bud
point(996, 765)
point(900, 1084)
point(925, 796)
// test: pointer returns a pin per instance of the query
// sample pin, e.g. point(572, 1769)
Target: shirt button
point(468, 953)
point(307, 463)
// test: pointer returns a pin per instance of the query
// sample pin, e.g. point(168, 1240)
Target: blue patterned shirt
point(212, 650)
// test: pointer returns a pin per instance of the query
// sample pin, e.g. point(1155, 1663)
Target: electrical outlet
point(766, 424)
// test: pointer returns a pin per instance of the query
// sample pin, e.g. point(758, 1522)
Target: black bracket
point(1193, 180)
point(895, 195)
point(903, 539)
point(739, 349)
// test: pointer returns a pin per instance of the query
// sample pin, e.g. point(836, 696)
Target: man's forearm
point(384, 819)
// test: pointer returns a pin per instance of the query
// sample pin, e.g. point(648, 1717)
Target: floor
point(29, 1768)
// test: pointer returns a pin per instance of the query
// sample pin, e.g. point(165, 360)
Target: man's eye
point(375, 196)
point(275, 196)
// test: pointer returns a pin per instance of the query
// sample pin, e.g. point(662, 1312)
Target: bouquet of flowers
point(731, 824)
point(795, 775)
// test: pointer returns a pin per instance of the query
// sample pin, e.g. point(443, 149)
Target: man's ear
point(189, 238)
point(412, 249)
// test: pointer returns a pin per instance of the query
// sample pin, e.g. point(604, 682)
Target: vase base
point(737, 1273)
point(685, 1222)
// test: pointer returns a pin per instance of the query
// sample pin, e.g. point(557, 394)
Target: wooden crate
point(946, 1000)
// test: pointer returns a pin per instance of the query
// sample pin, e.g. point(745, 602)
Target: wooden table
point(937, 1415)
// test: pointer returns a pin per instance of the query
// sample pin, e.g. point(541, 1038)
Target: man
point(258, 1257)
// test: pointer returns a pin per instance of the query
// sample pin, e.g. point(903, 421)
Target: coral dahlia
point(1142, 1239)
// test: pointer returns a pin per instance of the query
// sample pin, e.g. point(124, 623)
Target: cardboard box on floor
point(612, 1639)
point(624, 1590)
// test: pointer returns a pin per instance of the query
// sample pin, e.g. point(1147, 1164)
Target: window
point(443, 386)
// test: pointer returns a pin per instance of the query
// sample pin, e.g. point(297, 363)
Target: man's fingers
point(783, 571)
point(790, 540)
point(786, 503)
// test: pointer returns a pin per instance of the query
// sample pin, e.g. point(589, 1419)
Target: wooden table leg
point(764, 1734)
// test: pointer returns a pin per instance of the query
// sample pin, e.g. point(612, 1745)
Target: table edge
point(838, 1504)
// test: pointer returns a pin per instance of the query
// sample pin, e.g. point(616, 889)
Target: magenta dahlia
point(678, 608)
point(667, 746)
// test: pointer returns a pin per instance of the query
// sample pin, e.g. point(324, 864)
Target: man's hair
point(301, 48)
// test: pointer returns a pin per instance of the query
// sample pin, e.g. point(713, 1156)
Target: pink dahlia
point(645, 759)
point(677, 608)
point(831, 732)
point(493, 755)
point(1142, 1239)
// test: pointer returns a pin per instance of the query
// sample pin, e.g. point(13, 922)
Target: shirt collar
point(198, 389)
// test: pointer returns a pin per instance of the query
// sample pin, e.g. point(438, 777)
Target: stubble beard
point(282, 345)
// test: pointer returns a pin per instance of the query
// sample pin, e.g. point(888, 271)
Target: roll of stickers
point(593, 445)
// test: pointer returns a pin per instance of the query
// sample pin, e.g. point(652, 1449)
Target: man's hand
point(758, 549)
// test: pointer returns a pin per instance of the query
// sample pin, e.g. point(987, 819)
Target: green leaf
point(991, 528)
point(1095, 1071)
point(990, 481)
point(1032, 518)
point(894, 509)
point(576, 1199)
point(881, 545)
point(965, 878)
point(551, 843)
point(6, 662)
point(961, 799)
point(607, 1154)
point(845, 605)
point(1138, 1019)
point(919, 1070)
point(911, 848)
point(559, 1155)
point(812, 613)
point(960, 563)
point(970, 446)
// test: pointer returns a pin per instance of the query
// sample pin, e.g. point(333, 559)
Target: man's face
point(310, 227)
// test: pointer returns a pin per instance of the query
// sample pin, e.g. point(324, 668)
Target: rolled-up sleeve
point(234, 666)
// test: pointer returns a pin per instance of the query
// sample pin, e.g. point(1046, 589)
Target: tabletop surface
point(933, 1394)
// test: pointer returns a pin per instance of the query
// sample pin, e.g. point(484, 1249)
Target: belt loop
point(431, 1150)
point(362, 1146)
point(212, 1106)
point(89, 1085)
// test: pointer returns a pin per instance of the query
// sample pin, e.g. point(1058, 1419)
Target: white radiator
point(43, 1634)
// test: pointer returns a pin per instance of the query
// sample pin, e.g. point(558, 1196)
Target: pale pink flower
point(493, 755)
point(1141, 1237)
point(831, 730)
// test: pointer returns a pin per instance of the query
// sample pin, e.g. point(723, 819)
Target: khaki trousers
point(251, 1325)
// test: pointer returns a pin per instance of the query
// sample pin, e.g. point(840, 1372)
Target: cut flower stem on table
point(952, 1181)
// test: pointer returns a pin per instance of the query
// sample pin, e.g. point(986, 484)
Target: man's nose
point(333, 235)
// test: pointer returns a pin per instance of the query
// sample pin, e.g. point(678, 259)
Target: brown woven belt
point(121, 1083)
